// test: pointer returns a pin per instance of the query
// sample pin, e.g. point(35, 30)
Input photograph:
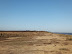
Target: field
point(35, 42)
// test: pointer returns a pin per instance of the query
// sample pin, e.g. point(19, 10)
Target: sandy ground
point(35, 43)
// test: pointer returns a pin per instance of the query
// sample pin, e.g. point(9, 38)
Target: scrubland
point(36, 42)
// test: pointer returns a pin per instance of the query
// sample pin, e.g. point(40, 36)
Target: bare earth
point(34, 43)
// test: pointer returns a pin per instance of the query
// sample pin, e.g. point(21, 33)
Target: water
point(64, 33)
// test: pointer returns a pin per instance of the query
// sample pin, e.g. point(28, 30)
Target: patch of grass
point(64, 49)
point(65, 43)
point(69, 38)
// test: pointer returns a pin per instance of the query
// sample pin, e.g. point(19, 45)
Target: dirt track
point(34, 43)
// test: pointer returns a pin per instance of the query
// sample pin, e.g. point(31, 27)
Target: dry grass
point(69, 37)
point(34, 43)
point(64, 49)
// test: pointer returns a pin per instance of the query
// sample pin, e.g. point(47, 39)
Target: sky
point(46, 15)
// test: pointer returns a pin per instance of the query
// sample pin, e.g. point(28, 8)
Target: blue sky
point(47, 15)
